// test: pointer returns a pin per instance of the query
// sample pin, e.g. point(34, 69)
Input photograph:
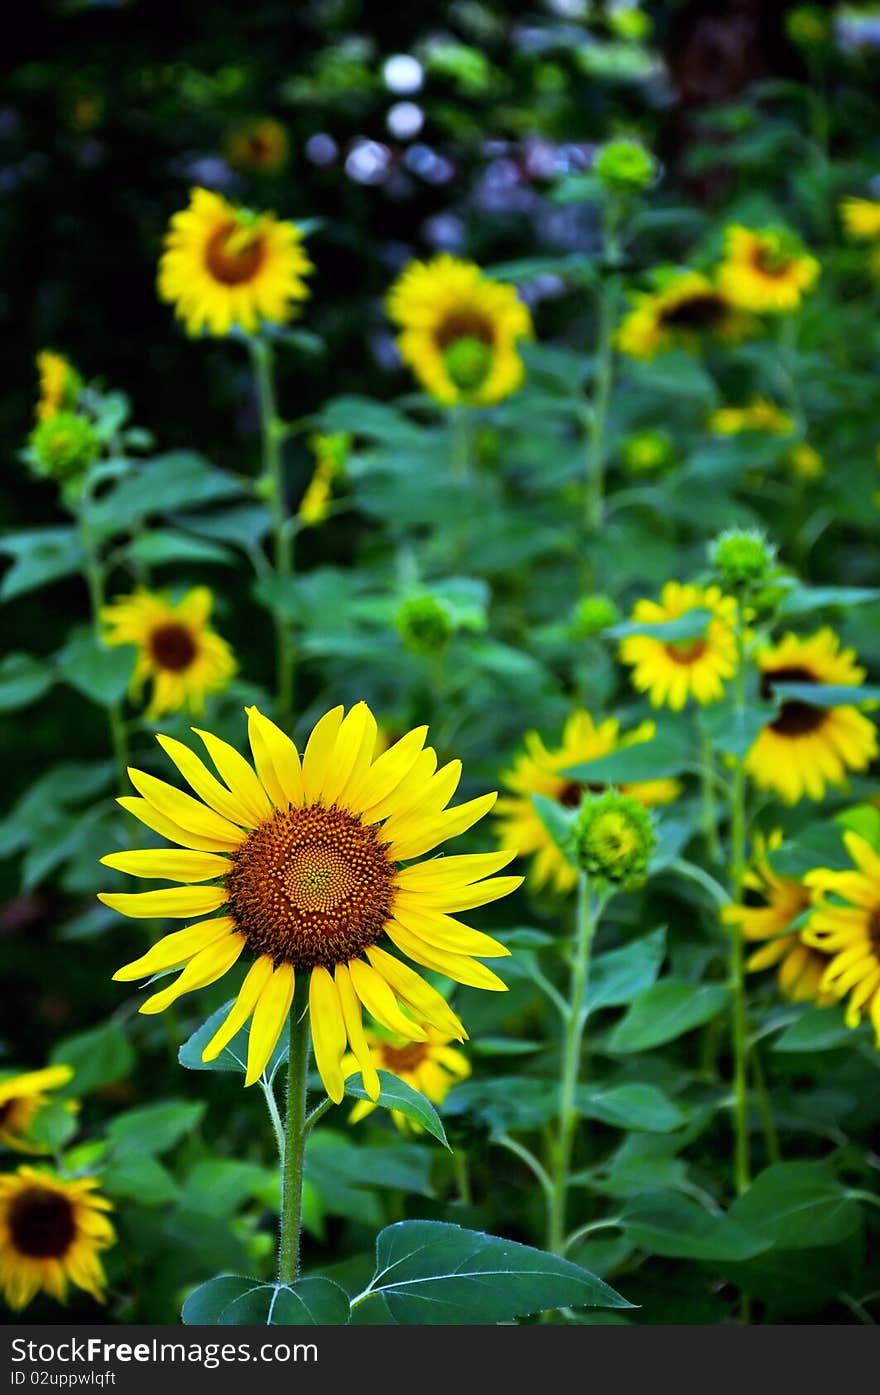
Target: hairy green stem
point(737, 956)
point(603, 382)
point(272, 486)
point(708, 812)
point(295, 1135)
point(460, 426)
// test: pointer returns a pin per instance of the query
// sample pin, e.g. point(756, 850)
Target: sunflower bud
point(742, 556)
point(624, 166)
point(808, 26)
point(424, 624)
point(613, 838)
point(468, 362)
point(647, 452)
point(592, 615)
point(62, 447)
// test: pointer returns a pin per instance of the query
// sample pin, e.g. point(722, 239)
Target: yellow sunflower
point(431, 1067)
point(21, 1099)
point(459, 330)
point(779, 902)
point(766, 270)
point(536, 770)
point(176, 647)
point(225, 266)
point(806, 748)
point(671, 671)
point(758, 415)
point(51, 1233)
point(60, 385)
point(686, 306)
point(847, 928)
point(861, 219)
point(260, 145)
point(299, 864)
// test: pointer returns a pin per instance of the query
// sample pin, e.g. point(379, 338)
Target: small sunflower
point(60, 385)
point(432, 1067)
point(303, 860)
point(861, 219)
point(176, 647)
point(459, 330)
point(536, 770)
point(759, 415)
point(51, 1233)
point(806, 748)
point(671, 671)
point(766, 270)
point(22, 1097)
point(226, 267)
point(777, 903)
point(687, 306)
point(846, 926)
point(259, 145)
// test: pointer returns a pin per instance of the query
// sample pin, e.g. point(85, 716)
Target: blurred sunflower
point(226, 267)
point(331, 452)
point(686, 306)
point(536, 770)
point(22, 1097)
point(671, 671)
point(459, 330)
point(303, 859)
point(804, 461)
point(60, 384)
point(847, 927)
point(777, 903)
point(807, 747)
point(260, 145)
point(766, 270)
point(432, 1067)
point(51, 1233)
point(177, 649)
point(861, 221)
point(760, 414)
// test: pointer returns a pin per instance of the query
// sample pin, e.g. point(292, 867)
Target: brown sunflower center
point(703, 311)
point(686, 651)
point(464, 324)
point(234, 254)
point(41, 1223)
point(795, 718)
point(172, 646)
point(772, 261)
point(311, 886)
point(403, 1058)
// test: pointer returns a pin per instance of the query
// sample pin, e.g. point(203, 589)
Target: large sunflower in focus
point(51, 1233)
point(846, 926)
point(225, 266)
point(766, 270)
point(459, 330)
point(671, 671)
point(298, 862)
point(687, 307)
point(806, 748)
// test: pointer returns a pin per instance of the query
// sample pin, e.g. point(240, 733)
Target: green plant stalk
point(603, 383)
point(708, 812)
point(272, 488)
point(295, 1135)
point(460, 427)
point(737, 955)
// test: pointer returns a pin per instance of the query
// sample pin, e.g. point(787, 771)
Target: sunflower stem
point(737, 959)
point(460, 426)
point(295, 1135)
point(603, 382)
point(708, 812)
point(94, 571)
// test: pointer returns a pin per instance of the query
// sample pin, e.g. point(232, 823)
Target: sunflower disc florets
point(613, 838)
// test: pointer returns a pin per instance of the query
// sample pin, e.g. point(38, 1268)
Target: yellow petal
point(176, 948)
point(463, 898)
point(276, 759)
point(206, 786)
point(353, 1019)
point(167, 864)
point(270, 1015)
point(354, 748)
point(177, 903)
point(140, 809)
point(420, 837)
point(255, 981)
point(458, 870)
point(442, 932)
point(386, 773)
point(239, 776)
point(414, 783)
point(457, 966)
point(428, 801)
point(328, 1032)
point(208, 965)
point(429, 1005)
point(182, 809)
point(318, 753)
point(379, 1000)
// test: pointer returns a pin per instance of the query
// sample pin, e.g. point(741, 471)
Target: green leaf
point(396, 1094)
point(164, 545)
point(232, 1300)
point(667, 754)
point(802, 599)
point(818, 1029)
point(797, 1205)
point(23, 680)
point(40, 555)
point(692, 625)
point(142, 1179)
point(53, 1126)
point(155, 1128)
point(503, 1046)
point(826, 694)
point(634, 1106)
point(666, 1223)
point(176, 480)
point(97, 1058)
point(432, 1273)
point(665, 1011)
point(100, 674)
point(732, 729)
point(218, 1186)
point(675, 374)
point(557, 821)
point(619, 975)
point(233, 1057)
point(504, 1102)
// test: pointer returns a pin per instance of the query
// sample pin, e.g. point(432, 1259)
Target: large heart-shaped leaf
point(232, 1300)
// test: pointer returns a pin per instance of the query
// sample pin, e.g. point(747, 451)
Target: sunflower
point(299, 864)
point(225, 266)
point(671, 671)
point(536, 770)
point(51, 1233)
point(459, 330)
point(861, 219)
point(260, 145)
point(847, 928)
point(766, 270)
point(432, 1067)
point(685, 307)
point(22, 1097)
point(806, 747)
point(176, 648)
point(780, 901)
point(760, 414)
point(60, 384)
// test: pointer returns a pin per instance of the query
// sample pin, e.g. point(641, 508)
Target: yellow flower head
point(671, 671)
point(432, 1067)
point(766, 270)
point(459, 330)
point(176, 647)
point(806, 748)
point(777, 903)
point(685, 308)
point(758, 415)
point(861, 219)
point(51, 1233)
point(848, 932)
point(330, 457)
point(805, 461)
point(60, 384)
point(224, 267)
point(536, 770)
point(22, 1097)
point(260, 145)
point(298, 863)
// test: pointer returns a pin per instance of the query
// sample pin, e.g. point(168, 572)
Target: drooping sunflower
point(536, 770)
point(60, 385)
point(671, 671)
point(225, 266)
point(22, 1097)
point(687, 306)
point(846, 926)
point(176, 647)
point(807, 747)
point(459, 330)
point(760, 414)
point(777, 902)
point(260, 144)
point(766, 270)
point(432, 1067)
point(52, 1231)
point(299, 864)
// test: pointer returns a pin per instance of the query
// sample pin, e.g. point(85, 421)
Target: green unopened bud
point(647, 452)
point(630, 23)
point(808, 26)
point(613, 838)
point(592, 615)
point(624, 166)
point(742, 556)
point(424, 624)
point(468, 362)
point(63, 447)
